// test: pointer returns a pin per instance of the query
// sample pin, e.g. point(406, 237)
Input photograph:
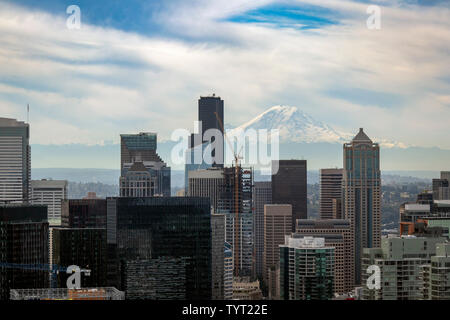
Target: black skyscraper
point(23, 248)
point(207, 109)
point(160, 248)
point(85, 248)
point(289, 187)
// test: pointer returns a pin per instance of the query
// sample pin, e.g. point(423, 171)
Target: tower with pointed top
point(362, 194)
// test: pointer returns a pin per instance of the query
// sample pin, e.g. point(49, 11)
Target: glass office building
point(160, 248)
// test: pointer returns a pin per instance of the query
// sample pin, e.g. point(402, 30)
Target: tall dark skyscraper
point(15, 160)
point(289, 187)
point(160, 247)
point(362, 194)
point(207, 109)
point(24, 235)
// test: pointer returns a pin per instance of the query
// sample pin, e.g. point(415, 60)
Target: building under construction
point(107, 293)
point(236, 203)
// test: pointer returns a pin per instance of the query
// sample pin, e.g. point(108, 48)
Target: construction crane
point(237, 169)
point(52, 268)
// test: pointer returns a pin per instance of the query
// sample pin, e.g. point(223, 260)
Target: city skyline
point(219, 150)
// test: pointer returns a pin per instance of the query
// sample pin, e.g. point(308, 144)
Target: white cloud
point(92, 84)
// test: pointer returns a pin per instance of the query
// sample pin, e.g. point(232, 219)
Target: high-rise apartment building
point(143, 172)
point(441, 187)
point(262, 195)
point(85, 248)
point(337, 234)
point(277, 225)
point(160, 247)
point(330, 190)
point(289, 187)
point(49, 193)
point(362, 194)
point(24, 248)
point(218, 256)
point(399, 260)
point(435, 276)
point(15, 161)
point(306, 269)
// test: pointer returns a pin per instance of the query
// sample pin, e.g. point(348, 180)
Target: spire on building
point(361, 137)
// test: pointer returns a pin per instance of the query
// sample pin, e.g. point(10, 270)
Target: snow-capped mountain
point(295, 125)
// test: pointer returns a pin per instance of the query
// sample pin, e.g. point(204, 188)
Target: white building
point(49, 193)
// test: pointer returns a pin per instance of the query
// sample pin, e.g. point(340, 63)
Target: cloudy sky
point(141, 65)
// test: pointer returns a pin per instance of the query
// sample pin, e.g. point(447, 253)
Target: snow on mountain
point(295, 125)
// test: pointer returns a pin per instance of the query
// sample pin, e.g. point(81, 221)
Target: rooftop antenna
point(28, 113)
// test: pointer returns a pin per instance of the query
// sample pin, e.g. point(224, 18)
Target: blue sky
point(138, 65)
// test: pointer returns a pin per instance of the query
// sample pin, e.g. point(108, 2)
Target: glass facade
point(24, 235)
point(154, 239)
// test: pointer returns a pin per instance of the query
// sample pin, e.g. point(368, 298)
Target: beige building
point(330, 189)
point(206, 183)
point(277, 225)
point(244, 289)
point(337, 234)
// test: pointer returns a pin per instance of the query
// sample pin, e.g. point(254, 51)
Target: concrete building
point(49, 193)
point(262, 195)
point(306, 269)
point(330, 189)
point(277, 225)
point(238, 209)
point(436, 275)
point(399, 260)
point(289, 186)
point(441, 187)
point(143, 172)
point(337, 234)
point(362, 194)
point(207, 183)
point(15, 161)
point(244, 289)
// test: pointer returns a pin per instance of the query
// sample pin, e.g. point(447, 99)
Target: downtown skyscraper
point(200, 154)
point(15, 161)
point(289, 187)
point(330, 193)
point(362, 194)
point(142, 171)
